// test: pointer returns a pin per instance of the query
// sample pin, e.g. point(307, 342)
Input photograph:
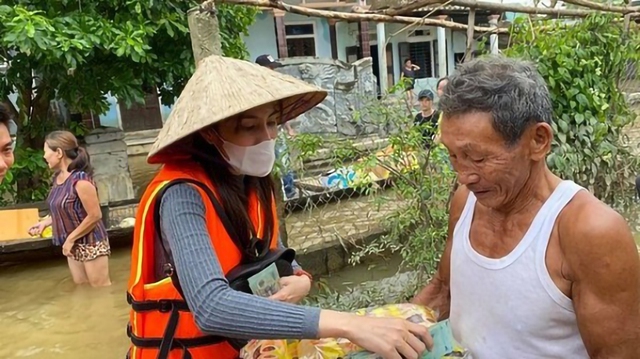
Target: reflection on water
point(45, 315)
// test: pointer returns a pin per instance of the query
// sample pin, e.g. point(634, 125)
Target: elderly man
point(534, 266)
point(7, 141)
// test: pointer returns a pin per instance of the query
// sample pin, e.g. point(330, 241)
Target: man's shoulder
point(589, 227)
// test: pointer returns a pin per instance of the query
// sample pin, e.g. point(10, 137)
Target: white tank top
point(510, 307)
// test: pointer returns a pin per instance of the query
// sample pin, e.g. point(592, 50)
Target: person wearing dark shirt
point(409, 72)
point(427, 118)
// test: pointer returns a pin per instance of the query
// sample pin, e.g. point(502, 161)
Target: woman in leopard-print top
point(75, 211)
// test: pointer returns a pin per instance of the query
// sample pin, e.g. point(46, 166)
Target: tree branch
point(359, 15)
point(604, 7)
point(499, 7)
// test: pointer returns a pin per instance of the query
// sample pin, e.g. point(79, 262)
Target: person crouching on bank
point(207, 222)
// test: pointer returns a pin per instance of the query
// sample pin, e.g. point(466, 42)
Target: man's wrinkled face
point(493, 171)
point(6, 151)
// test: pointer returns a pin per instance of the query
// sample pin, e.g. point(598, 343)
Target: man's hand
point(603, 265)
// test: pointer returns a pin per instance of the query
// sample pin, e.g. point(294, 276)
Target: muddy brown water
point(44, 315)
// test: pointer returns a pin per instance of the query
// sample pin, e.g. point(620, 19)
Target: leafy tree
point(78, 51)
point(583, 64)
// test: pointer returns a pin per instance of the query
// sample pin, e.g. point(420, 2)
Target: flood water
point(45, 315)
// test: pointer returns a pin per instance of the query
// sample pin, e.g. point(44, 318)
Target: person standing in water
point(534, 266)
point(76, 218)
point(7, 141)
point(208, 221)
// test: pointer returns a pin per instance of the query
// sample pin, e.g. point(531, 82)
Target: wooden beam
point(281, 35)
point(496, 7)
point(333, 38)
point(500, 7)
point(359, 16)
point(204, 31)
point(604, 7)
point(472, 20)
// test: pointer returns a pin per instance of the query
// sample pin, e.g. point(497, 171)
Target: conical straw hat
point(222, 87)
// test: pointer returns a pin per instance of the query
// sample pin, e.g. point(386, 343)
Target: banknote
point(266, 282)
point(442, 340)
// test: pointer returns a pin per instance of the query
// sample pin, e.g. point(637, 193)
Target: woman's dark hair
point(234, 192)
point(68, 144)
point(5, 115)
point(406, 60)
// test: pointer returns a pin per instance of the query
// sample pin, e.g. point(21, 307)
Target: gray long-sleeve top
point(218, 309)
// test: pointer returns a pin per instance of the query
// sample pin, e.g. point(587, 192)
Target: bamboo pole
point(604, 7)
point(360, 15)
point(470, 26)
point(497, 7)
point(590, 6)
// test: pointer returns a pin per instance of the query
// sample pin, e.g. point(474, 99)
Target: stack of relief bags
point(338, 348)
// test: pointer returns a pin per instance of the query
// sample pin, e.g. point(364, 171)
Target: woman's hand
point(67, 247)
point(391, 338)
point(37, 229)
point(293, 288)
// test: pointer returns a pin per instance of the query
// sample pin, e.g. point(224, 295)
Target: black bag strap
point(169, 266)
point(214, 200)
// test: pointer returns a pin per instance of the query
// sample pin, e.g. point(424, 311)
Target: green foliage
point(78, 52)
point(415, 195)
point(234, 20)
point(584, 64)
point(397, 289)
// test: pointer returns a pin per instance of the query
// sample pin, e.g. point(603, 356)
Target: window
point(301, 39)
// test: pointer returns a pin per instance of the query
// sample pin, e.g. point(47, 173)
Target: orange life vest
point(158, 310)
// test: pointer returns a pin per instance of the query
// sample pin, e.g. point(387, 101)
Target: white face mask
point(256, 160)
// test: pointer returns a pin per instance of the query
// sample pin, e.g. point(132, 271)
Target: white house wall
point(262, 35)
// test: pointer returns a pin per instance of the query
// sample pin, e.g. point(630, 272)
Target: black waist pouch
point(239, 276)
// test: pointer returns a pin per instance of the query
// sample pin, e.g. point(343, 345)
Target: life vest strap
point(163, 305)
point(177, 343)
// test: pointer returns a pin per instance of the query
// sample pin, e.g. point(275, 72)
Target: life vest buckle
point(167, 269)
point(165, 306)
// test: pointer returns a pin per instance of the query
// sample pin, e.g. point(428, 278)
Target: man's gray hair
point(511, 90)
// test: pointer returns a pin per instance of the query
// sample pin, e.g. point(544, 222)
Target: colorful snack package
point(339, 348)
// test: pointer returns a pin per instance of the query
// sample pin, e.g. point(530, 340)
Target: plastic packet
point(340, 348)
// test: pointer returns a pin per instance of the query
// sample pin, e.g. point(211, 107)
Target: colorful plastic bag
point(339, 348)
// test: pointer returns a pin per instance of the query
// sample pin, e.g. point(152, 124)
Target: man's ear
point(540, 139)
